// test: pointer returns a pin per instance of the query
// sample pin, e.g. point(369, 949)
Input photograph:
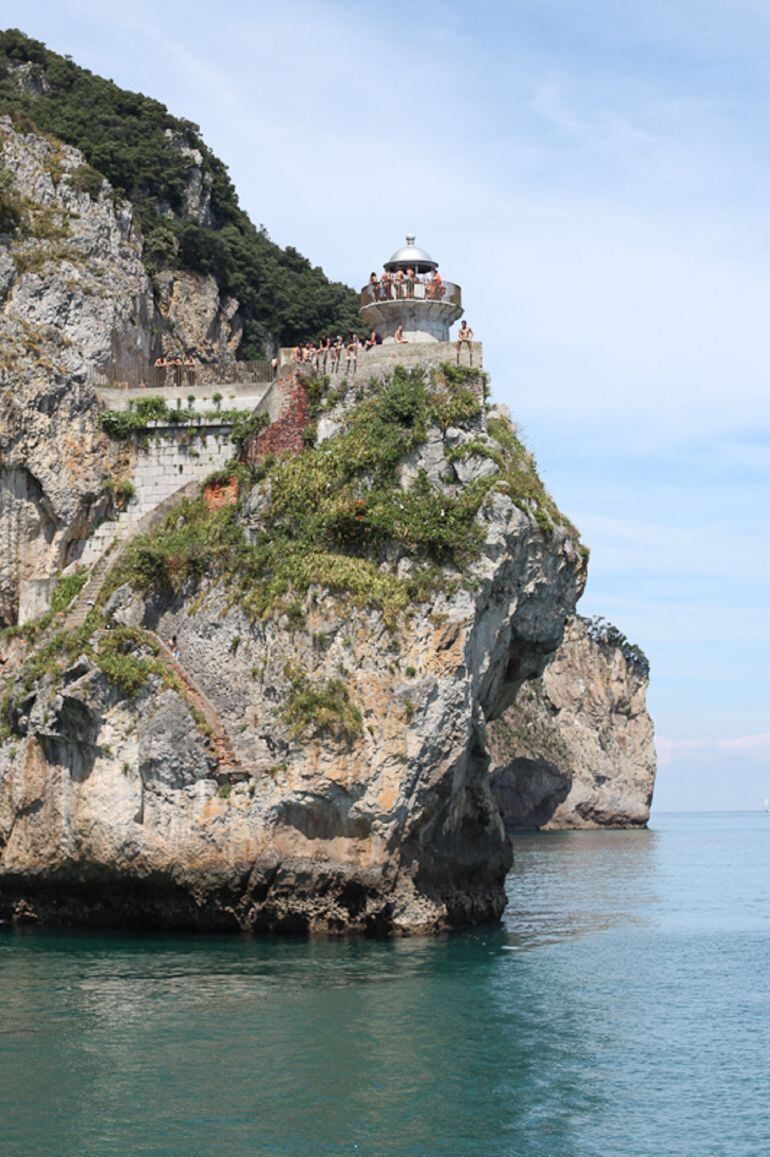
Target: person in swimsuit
point(386, 288)
point(189, 362)
point(465, 336)
point(399, 280)
point(436, 286)
point(374, 283)
point(351, 352)
point(399, 336)
point(410, 282)
point(160, 372)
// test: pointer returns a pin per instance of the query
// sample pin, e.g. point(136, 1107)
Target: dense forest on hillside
point(125, 136)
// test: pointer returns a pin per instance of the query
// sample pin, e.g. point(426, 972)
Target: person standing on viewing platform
point(385, 286)
point(374, 282)
point(160, 366)
point(190, 365)
point(409, 282)
point(436, 285)
point(178, 365)
point(465, 337)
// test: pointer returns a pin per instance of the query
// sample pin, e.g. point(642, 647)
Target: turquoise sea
point(623, 1008)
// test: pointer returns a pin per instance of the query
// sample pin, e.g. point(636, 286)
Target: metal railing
point(137, 376)
point(419, 291)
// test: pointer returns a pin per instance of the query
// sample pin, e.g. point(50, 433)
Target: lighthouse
point(411, 294)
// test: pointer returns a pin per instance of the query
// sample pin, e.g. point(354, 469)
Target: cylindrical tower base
point(421, 320)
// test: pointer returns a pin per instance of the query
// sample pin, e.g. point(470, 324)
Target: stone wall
point(173, 457)
point(382, 359)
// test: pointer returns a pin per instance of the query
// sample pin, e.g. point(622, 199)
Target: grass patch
point(320, 707)
point(122, 490)
point(68, 588)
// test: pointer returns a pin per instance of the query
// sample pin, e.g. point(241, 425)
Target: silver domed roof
point(411, 255)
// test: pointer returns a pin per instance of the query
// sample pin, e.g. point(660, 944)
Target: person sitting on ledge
point(352, 353)
point(399, 336)
point(465, 336)
point(373, 340)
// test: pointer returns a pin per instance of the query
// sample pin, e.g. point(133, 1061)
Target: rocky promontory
point(351, 626)
point(576, 749)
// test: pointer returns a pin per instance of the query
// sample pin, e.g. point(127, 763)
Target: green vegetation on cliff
point(144, 152)
point(339, 516)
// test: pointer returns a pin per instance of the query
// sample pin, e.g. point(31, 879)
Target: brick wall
point(284, 434)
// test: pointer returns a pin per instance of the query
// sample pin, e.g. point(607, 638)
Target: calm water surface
point(624, 1008)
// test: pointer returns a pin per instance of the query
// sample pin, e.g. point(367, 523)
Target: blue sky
point(597, 177)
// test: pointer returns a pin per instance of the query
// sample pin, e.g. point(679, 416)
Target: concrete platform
point(234, 397)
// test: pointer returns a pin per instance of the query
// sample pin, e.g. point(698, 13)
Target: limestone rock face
point(110, 809)
point(72, 286)
point(195, 317)
point(75, 304)
point(197, 193)
point(73, 282)
point(576, 749)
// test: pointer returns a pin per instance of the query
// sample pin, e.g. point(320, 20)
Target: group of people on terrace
point(330, 353)
point(400, 285)
point(175, 371)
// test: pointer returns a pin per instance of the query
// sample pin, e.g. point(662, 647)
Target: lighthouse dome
point(411, 255)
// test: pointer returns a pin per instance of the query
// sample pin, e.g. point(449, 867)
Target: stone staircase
point(230, 769)
point(122, 534)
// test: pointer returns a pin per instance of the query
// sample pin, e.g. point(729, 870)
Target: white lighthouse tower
point(413, 295)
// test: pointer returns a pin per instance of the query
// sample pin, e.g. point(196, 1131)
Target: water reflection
point(566, 884)
point(615, 1025)
point(280, 1046)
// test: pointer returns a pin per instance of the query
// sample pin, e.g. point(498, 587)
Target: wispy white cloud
point(742, 746)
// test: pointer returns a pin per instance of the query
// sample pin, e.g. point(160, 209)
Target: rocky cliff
point(351, 627)
point(576, 749)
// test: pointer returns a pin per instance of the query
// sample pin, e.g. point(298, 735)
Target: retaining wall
point(172, 457)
